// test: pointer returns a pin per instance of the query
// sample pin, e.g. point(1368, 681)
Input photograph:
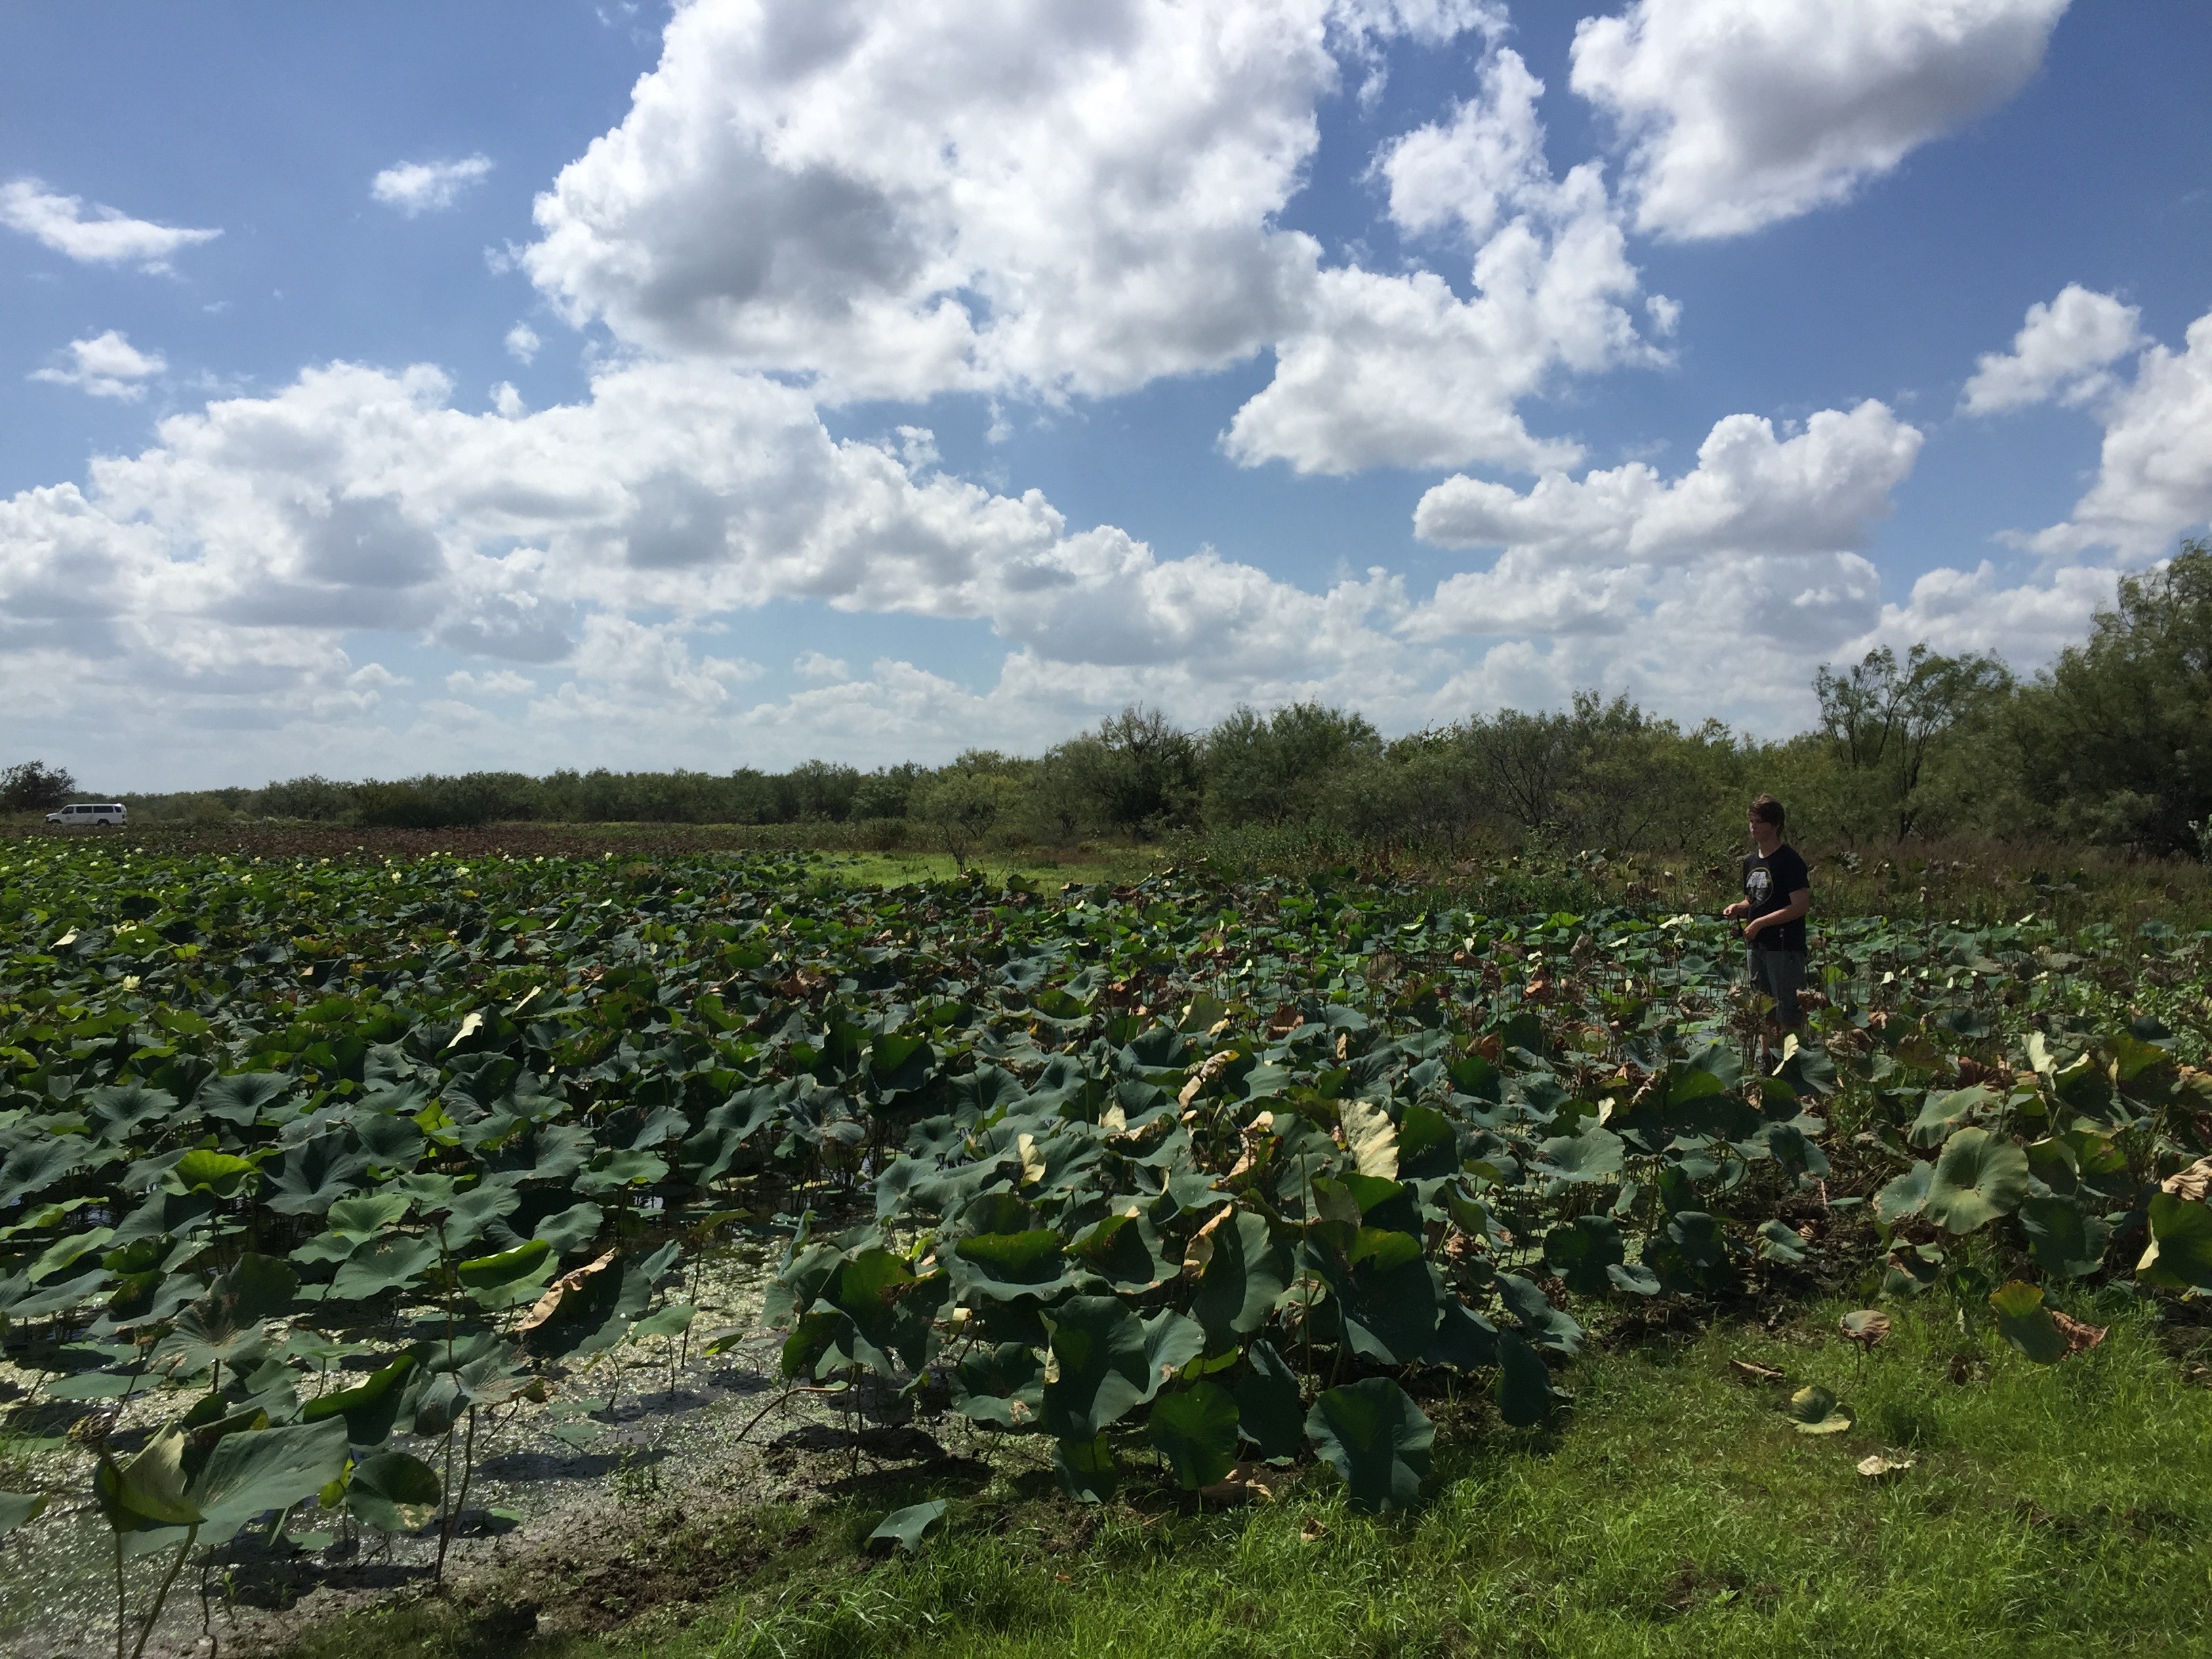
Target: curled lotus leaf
point(1814, 1410)
point(1868, 1327)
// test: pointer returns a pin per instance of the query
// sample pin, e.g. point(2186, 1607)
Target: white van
point(89, 815)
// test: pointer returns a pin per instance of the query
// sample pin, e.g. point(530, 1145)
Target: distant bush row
point(2111, 746)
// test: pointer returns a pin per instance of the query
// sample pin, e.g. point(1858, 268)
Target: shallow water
point(546, 1473)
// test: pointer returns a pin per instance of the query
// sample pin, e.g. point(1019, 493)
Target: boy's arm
point(1800, 902)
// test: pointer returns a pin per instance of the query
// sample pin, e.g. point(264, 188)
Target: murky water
point(543, 1472)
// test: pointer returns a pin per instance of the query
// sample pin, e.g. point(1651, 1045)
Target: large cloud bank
point(811, 203)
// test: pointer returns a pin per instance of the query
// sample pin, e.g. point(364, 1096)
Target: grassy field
point(1676, 1512)
point(1674, 1509)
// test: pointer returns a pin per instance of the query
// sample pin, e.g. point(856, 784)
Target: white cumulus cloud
point(2154, 474)
point(1746, 563)
point(2062, 351)
point(820, 665)
point(420, 187)
point(107, 366)
point(1739, 112)
point(495, 682)
point(1475, 167)
point(522, 343)
point(95, 235)
point(1395, 369)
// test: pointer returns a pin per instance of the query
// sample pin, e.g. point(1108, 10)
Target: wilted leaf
point(1867, 1327)
point(1816, 1411)
point(1370, 1138)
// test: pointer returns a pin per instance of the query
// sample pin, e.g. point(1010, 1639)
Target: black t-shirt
point(1769, 879)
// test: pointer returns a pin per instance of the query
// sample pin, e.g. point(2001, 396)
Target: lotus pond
point(337, 1191)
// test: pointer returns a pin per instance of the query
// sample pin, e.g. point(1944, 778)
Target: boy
point(1777, 893)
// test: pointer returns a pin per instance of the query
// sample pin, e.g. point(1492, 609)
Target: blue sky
point(570, 384)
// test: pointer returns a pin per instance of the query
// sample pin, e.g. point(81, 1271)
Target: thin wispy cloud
point(93, 234)
point(105, 366)
point(418, 187)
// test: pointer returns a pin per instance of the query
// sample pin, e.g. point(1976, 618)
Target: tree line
point(2111, 745)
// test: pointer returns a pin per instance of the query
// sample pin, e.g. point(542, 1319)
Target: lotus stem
point(145, 1630)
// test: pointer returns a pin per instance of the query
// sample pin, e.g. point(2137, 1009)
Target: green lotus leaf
point(469, 1213)
point(1464, 1341)
point(1373, 1435)
point(1546, 1326)
point(240, 1099)
point(1979, 1177)
point(1105, 1369)
point(121, 1111)
point(905, 1529)
point(1816, 1411)
point(20, 1509)
point(1904, 1196)
point(1691, 1254)
point(2067, 1241)
point(1002, 1384)
point(252, 1472)
point(1583, 1251)
point(2026, 1323)
point(1596, 1154)
point(152, 1487)
point(389, 1140)
point(1269, 1411)
point(384, 1264)
point(891, 1310)
point(1195, 1429)
point(370, 1407)
point(1526, 1396)
point(2179, 1256)
point(1778, 1242)
point(1244, 1271)
point(394, 1493)
point(625, 1169)
point(1085, 1468)
point(571, 1229)
point(316, 1174)
point(364, 1217)
point(508, 1277)
point(673, 1320)
point(1942, 1113)
point(41, 1163)
point(1004, 1265)
point(1121, 1249)
point(219, 1173)
point(1391, 1299)
point(1428, 1143)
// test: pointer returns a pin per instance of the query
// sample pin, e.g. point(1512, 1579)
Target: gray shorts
point(1779, 975)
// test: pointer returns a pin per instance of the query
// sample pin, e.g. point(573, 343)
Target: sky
point(519, 385)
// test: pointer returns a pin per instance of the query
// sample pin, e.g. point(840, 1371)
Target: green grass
point(2060, 1511)
point(1045, 870)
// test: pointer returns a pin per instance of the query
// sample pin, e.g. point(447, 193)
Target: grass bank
point(2060, 1511)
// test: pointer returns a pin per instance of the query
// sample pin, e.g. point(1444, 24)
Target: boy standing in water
point(1777, 892)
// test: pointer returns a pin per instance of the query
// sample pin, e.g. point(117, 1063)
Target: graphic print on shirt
point(1757, 884)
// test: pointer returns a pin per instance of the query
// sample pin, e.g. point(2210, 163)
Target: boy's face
point(1763, 836)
